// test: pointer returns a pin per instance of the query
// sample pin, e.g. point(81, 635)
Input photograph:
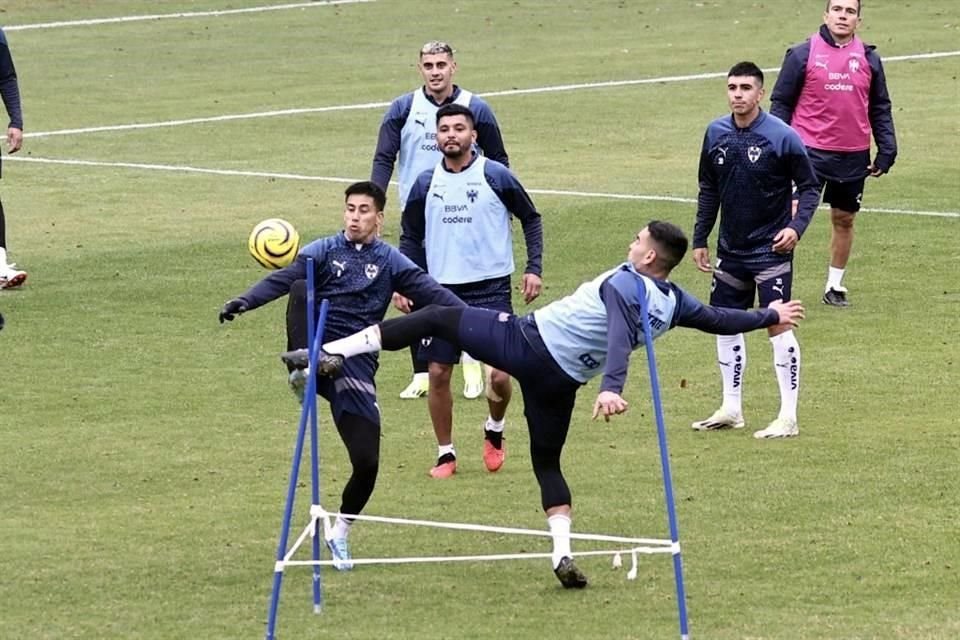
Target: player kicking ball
point(555, 350)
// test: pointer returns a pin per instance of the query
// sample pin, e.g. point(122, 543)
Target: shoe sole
point(778, 436)
point(716, 426)
point(14, 282)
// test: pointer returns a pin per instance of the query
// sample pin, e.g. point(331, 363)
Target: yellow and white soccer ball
point(274, 243)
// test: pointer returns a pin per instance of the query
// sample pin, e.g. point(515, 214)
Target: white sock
point(366, 341)
point(560, 531)
point(786, 362)
point(341, 528)
point(494, 425)
point(834, 279)
point(732, 356)
point(421, 375)
point(444, 449)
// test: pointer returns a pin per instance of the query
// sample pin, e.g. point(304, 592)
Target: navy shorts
point(845, 196)
point(735, 284)
point(491, 294)
point(549, 394)
point(353, 389)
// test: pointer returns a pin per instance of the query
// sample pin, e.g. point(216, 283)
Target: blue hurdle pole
point(315, 341)
point(308, 409)
point(664, 461)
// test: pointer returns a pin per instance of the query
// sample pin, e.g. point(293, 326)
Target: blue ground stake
point(308, 411)
point(664, 460)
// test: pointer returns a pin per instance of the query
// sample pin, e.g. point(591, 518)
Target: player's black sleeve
point(880, 113)
point(693, 314)
point(388, 143)
point(489, 138)
point(9, 90)
point(808, 185)
point(413, 223)
point(517, 201)
point(623, 336)
point(708, 197)
point(412, 282)
point(786, 92)
point(276, 285)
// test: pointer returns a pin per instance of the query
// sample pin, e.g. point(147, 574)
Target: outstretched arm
point(693, 314)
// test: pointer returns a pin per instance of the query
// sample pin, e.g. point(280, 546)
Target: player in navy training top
point(748, 165)
point(357, 273)
point(408, 136)
point(10, 276)
point(555, 350)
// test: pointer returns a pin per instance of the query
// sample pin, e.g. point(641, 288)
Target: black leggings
point(362, 439)
point(3, 229)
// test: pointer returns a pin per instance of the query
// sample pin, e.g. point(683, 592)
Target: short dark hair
point(859, 6)
point(454, 109)
point(671, 243)
point(746, 68)
point(367, 188)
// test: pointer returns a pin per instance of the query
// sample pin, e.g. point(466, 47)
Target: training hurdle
point(319, 517)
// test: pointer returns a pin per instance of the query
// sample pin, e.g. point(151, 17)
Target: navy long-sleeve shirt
point(786, 93)
point(358, 280)
point(747, 175)
point(489, 138)
point(9, 89)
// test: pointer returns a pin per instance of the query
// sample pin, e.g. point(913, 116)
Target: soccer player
point(748, 164)
point(555, 350)
point(833, 92)
point(358, 274)
point(409, 130)
point(10, 276)
point(457, 226)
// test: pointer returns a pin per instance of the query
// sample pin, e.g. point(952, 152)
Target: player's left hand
point(532, 286)
point(875, 171)
point(785, 240)
point(608, 404)
point(14, 139)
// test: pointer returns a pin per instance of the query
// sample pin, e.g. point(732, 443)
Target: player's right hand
point(701, 258)
point(608, 404)
point(232, 308)
point(402, 303)
point(791, 313)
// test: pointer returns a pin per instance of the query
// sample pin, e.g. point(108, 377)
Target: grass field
point(145, 449)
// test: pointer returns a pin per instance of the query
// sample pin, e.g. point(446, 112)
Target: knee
point(440, 374)
point(842, 219)
point(499, 379)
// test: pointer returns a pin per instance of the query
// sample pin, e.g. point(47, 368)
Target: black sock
point(495, 438)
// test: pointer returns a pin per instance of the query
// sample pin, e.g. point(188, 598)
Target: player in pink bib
point(833, 92)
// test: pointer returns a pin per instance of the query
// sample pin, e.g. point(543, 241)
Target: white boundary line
point(187, 14)
point(380, 105)
point(143, 166)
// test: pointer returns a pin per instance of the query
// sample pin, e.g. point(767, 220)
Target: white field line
point(381, 105)
point(187, 14)
point(297, 176)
